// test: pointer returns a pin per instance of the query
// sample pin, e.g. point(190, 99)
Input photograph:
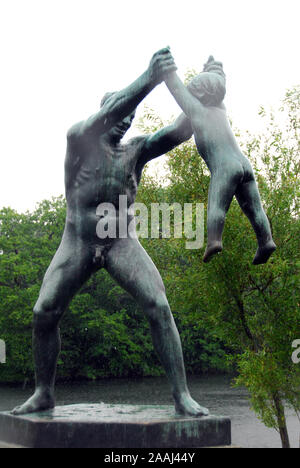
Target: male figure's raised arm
point(124, 102)
point(166, 139)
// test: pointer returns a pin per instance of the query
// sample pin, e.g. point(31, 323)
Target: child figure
point(231, 171)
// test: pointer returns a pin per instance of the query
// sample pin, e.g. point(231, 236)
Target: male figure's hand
point(162, 63)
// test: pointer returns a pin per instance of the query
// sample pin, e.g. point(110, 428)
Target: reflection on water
point(214, 392)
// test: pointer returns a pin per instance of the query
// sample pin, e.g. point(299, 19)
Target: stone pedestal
point(113, 426)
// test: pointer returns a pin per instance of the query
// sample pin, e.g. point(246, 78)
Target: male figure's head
point(209, 86)
point(118, 131)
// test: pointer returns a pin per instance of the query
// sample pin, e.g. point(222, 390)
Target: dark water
point(215, 393)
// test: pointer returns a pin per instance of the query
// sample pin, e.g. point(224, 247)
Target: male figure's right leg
point(69, 269)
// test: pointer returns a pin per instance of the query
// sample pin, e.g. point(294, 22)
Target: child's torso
point(215, 139)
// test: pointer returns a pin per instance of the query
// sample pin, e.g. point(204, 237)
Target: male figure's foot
point(186, 406)
point(264, 253)
point(212, 249)
point(40, 401)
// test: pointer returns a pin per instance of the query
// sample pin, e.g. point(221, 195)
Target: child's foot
point(211, 250)
point(264, 253)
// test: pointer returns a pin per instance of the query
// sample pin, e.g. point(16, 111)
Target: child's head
point(209, 86)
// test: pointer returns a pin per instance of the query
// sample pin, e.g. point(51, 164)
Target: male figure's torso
point(97, 172)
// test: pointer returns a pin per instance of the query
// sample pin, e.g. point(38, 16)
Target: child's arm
point(188, 103)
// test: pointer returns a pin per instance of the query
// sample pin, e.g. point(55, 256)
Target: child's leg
point(222, 188)
point(248, 197)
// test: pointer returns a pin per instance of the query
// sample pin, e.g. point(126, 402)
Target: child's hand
point(213, 66)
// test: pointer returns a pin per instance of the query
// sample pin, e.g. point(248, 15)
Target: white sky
point(59, 57)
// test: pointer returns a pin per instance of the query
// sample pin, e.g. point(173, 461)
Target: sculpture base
point(113, 426)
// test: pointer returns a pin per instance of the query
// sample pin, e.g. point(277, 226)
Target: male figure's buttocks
point(99, 168)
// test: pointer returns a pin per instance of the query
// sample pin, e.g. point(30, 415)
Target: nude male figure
point(98, 169)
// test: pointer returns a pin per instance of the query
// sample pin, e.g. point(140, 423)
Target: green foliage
point(26, 242)
point(103, 332)
point(255, 310)
point(270, 297)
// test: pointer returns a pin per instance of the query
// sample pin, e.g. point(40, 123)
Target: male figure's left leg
point(129, 264)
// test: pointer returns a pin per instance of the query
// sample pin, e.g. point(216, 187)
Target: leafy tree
point(254, 311)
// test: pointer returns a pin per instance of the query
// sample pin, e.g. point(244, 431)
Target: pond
point(214, 392)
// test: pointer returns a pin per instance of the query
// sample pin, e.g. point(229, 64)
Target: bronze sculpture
point(99, 168)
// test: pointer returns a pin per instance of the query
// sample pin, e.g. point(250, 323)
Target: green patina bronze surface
point(99, 168)
point(231, 172)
